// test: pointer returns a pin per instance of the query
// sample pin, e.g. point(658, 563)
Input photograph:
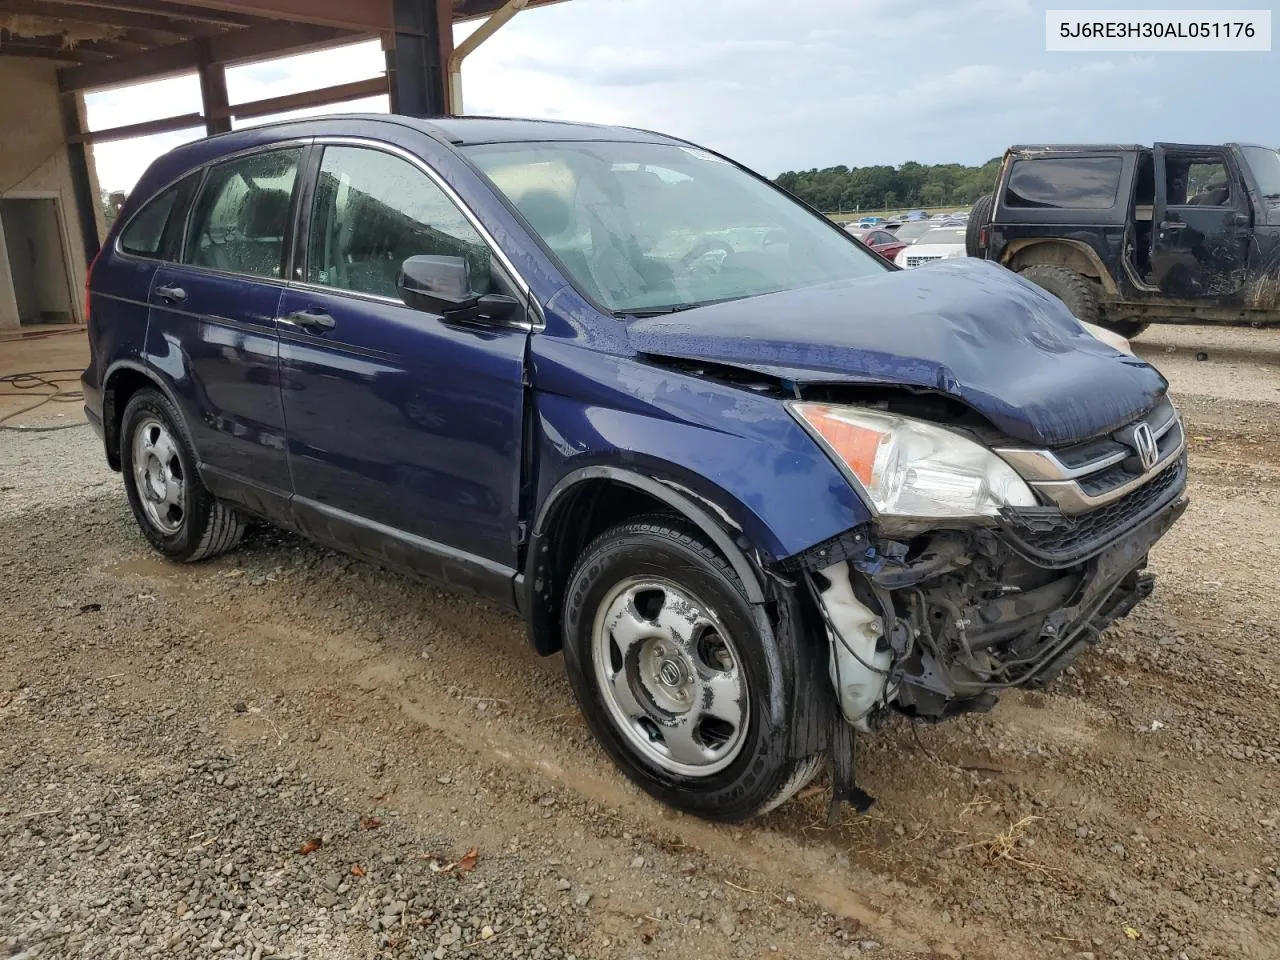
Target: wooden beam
point(196, 12)
point(371, 16)
point(10, 48)
point(464, 10)
point(166, 125)
point(234, 46)
point(339, 93)
point(56, 41)
point(86, 12)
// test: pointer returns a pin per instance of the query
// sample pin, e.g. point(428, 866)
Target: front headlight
point(911, 468)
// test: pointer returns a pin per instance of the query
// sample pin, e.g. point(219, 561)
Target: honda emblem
point(1144, 444)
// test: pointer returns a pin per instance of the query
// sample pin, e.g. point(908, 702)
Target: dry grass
point(1003, 846)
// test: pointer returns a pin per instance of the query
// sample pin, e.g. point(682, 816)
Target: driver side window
point(371, 212)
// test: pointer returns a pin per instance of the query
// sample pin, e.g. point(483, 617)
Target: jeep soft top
point(1128, 235)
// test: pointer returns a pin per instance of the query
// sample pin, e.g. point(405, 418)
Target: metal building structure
point(54, 51)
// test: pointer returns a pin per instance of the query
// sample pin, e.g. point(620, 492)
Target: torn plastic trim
point(860, 657)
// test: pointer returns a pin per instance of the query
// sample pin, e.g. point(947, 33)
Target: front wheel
point(177, 515)
point(686, 686)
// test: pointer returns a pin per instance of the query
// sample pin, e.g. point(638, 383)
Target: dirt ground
point(171, 739)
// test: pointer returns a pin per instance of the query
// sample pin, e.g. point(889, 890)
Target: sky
point(790, 86)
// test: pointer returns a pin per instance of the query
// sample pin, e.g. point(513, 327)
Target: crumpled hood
point(967, 328)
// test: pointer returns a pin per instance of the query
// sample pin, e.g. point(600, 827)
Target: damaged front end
point(932, 618)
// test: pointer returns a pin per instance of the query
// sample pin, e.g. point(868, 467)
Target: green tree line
point(912, 184)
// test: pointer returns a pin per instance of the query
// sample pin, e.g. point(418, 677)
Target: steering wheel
point(706, 254)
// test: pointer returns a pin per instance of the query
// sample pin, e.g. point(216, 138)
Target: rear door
point(212, 325)
point(404, 429)
point(1202, 222)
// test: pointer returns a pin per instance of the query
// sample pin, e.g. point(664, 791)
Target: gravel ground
point(288, 753)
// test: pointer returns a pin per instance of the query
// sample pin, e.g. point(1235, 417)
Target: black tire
point(1079, 293)
point(775, 758)
point(979, 217)
point(1129, 329)
point(205, 526)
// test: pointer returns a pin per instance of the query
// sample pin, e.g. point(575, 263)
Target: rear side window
point(240, 220)
point(1070, 183)
point(156, 230)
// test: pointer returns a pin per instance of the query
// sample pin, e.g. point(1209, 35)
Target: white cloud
point(794, 85)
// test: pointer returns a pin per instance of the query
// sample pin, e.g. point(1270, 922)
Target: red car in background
point(881, 241)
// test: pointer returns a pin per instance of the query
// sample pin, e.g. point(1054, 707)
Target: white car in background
point(941, 243)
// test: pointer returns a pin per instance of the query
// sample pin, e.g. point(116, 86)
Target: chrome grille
point(1092, 474)
point(916, 261)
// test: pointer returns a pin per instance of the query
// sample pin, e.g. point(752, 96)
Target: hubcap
point(670, 677)
point(157, 473)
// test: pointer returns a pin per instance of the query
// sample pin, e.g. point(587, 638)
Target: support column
point(416, 53)
point(82, 185)
point(213, 91)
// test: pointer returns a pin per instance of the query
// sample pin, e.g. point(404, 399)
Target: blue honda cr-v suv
point(758, 485)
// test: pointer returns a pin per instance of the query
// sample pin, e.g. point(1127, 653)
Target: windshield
point(1265, 164)
point(914, 230)
point(944, 235)
point(651, 228)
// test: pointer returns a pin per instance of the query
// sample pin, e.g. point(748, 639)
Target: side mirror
point(442, 285)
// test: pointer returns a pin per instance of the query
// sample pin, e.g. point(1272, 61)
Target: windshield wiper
point(670, 308)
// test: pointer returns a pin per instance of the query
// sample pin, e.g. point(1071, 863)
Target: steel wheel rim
point(670, 676)
point(158, 476)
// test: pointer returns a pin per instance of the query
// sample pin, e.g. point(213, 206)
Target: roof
point(458, 131)
point(92, 32)
point(455, 131)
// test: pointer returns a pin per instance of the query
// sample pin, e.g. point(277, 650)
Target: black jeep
point(1129, 235)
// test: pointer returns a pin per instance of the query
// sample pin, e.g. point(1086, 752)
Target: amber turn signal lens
point(856, 445)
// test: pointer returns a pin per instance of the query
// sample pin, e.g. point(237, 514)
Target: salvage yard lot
point(172, 737)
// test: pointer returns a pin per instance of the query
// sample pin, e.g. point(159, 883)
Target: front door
point(1201, 223)
point(212, 325)
point(404, 430)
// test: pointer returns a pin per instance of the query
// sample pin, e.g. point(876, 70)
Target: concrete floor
point(55, 347)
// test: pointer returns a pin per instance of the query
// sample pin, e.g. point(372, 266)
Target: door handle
point(170, 294)
point(311, 319)
point(1172, 225)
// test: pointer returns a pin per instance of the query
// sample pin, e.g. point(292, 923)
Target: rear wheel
point(1126, 328)
point(1077, 292)
point(177, 515)
point(680, 679)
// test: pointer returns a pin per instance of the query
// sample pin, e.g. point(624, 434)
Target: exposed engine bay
point(933, 624)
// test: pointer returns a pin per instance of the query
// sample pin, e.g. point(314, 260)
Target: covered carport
point(54, 51)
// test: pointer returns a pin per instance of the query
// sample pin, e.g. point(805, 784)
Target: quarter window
point(156, 230)
point(1067, 183)
point(371, 212)
point(242, 216)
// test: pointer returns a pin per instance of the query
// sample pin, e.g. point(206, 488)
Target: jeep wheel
point(1077, 292)
point(1126, 328)
point(682, 681)
point(978, 218)
point(177, 514)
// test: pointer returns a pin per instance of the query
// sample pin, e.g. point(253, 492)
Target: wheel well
point(578, 517)
point(120, 387)
point(1058, 253)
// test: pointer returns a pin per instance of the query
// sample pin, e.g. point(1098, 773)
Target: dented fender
point(737, 453)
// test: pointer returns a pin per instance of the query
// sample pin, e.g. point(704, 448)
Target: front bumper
point(982, 610)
